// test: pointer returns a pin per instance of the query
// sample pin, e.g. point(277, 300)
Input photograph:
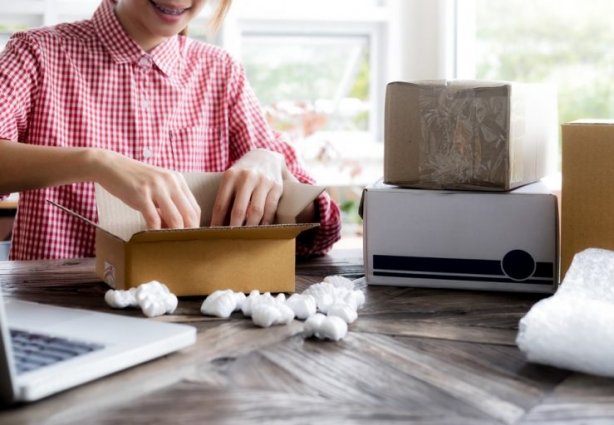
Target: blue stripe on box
point(454, 269)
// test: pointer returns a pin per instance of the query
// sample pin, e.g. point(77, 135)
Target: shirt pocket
point(199, 149)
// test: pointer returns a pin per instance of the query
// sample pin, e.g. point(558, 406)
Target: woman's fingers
point(186, 203)
point(169, 213)
point(249, 191)
point(255, 210)
point(151, 216)
point(270, 204)
point(223, 199)
point(246, 197)
point(243, 196)
point(161, 196)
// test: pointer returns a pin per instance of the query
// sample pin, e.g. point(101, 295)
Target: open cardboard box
point(199, 261)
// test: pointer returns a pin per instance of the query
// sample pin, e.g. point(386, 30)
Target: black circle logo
point(518, 265)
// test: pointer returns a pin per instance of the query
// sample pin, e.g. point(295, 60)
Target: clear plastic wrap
point(574, 329)
point(465, 136)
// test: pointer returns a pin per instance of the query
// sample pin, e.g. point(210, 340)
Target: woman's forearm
point(25, 167)
point(162, 196)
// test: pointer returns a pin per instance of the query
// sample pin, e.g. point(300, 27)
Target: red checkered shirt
point(185, 106)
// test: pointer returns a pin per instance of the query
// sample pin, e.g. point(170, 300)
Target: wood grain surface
point(423, 356)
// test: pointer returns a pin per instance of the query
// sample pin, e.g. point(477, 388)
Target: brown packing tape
point(458, 146)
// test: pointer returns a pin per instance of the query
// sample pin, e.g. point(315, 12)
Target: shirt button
point(147, 153)
point(145, 103)
point(145, 62)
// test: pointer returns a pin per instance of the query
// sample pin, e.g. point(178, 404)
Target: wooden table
point(414, 356)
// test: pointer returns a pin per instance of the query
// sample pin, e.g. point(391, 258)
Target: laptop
point(46, 349)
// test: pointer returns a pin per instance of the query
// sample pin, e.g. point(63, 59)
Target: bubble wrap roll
point(574, 329)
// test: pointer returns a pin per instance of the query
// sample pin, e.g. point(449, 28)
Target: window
point(311, 83)
point(320, 70)
point(564, 42)
point(24, 14)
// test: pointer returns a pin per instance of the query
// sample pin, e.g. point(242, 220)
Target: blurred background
point(320, 68)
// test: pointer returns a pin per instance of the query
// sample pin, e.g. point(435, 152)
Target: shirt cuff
point(320, 241)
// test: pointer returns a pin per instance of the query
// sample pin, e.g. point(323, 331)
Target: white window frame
point(371, 32)
point(371, 23)
point(424, 37)
point(465, 36)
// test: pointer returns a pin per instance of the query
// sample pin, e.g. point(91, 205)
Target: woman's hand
point(162, 196)
point(249, 191)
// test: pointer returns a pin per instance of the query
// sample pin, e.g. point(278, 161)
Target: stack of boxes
point(461, 205)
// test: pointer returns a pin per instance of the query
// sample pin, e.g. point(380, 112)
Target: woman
point(126, 101)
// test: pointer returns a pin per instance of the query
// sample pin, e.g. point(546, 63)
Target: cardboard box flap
point(295, 199)
point(275, 231)
point(119, 219)
point(80, 217)
point(455, 85)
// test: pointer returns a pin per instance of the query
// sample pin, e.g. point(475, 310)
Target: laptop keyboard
point(32, 351)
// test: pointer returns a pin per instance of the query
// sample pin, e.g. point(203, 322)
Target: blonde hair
point(218, 16)
point(220, 13)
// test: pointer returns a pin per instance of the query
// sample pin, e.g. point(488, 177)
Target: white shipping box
point(462, 240)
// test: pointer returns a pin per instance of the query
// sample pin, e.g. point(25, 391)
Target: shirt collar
point(123, 49)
